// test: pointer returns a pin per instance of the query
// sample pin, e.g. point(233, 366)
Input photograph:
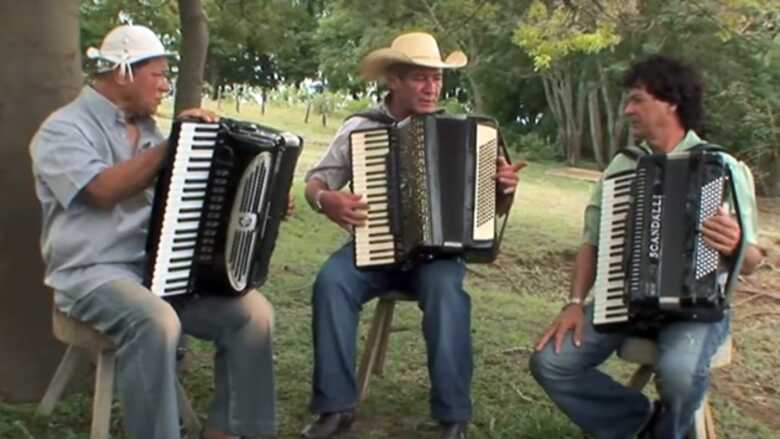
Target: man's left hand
point(199, 113)
point(506, 174)
point(722, 232)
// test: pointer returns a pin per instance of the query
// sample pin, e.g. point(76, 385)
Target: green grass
point(513, 299)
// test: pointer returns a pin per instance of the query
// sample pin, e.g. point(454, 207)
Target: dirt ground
point(751, 382)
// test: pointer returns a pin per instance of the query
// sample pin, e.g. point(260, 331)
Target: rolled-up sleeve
point(334, 167)
point(746, 199)
point(592, 219)
point(64, 160)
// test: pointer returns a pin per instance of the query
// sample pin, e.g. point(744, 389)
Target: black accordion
point(429, 183)
point(653, 265)
point(218, 202)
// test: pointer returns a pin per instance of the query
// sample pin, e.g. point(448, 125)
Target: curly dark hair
point(673, 81)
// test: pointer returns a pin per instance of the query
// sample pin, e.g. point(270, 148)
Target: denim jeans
point(607, 409)
point(146, 331)
point(340, 291)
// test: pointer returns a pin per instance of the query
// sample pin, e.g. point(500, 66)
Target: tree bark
point(596, 127)
point(194, 44)
point(476, 93)
point(771, 184)
point(41, 72)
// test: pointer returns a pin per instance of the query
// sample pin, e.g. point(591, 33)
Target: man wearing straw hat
point(412, 69)
point(94, 162)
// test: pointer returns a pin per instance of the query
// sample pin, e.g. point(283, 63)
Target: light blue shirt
point(84, 246)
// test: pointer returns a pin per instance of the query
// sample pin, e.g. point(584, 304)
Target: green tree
point(568, 44)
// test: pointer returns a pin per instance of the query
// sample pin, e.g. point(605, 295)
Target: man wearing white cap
point(412, 69)
point(94, 162)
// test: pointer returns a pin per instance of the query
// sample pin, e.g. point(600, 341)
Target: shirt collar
point(385, 105)
point(690, 140)
point(104, 109)
point(108, 112)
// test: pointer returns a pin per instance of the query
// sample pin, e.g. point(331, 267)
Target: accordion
point(218, 202)
point(653, 265)
point(429, 183)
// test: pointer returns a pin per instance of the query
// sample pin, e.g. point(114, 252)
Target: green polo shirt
point(743, 183)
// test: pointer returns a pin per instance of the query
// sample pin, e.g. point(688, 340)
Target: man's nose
point(429, 86)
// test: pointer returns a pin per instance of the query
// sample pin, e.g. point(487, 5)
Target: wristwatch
point(574, 301)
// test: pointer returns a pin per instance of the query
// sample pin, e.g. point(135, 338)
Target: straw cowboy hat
point(126, 45)
point(415, 48)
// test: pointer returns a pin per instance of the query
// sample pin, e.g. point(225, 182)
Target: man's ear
point(392, 81)
point(122, 79)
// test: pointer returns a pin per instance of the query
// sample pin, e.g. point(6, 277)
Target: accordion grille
point(245, 224)
point(707, 258)
point(486, 184)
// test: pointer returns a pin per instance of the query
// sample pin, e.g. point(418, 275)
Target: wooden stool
point(82, 339)
point(644, 352)
point(373, 361)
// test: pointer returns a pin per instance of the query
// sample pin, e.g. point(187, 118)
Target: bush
point(352, 106)
point(531, 145)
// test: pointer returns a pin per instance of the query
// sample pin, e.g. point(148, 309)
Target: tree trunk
point(596, 128)
point(308, 110)
point(213, 77)
point(264, 96)
point(194, 43)
point(771, 184)
point(41, 71)
point(617, 130)
point(238, 91)
point(476, 94)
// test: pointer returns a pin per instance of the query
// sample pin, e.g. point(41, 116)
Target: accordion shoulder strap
point(709, 147)
point(631, 151)
point(374, 114)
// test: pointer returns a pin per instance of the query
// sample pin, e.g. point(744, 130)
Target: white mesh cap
point(125, 45)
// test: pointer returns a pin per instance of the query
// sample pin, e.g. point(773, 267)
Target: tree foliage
point(547, 67)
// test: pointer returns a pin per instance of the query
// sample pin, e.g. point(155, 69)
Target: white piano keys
point(374, 243)
point(183, 207)
point(608, 304)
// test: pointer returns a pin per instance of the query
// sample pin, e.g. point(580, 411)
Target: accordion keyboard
point(183, 208)
point(609, 307)
point(374, 244)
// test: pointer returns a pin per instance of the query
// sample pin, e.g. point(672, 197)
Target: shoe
point(453, 431)
point(328, 425)
point(648, 430)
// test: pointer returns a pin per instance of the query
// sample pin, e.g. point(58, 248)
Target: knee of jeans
point(330, 286)
point(262, 312)
point(163, 326)
point(679, 380)
point(546, 365)
point(440, 284)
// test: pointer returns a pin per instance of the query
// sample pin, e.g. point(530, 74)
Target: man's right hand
point(343, 208)
point(571, 318)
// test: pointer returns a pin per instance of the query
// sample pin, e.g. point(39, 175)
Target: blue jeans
point(607, 409)
point(146, 330)
point(340, 291)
